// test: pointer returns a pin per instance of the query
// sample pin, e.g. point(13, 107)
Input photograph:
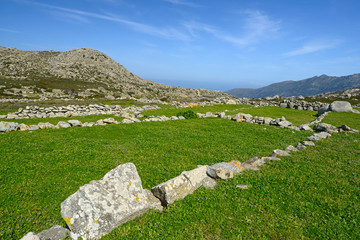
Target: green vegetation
point(187, 114)
point(313, 194)
point(338, 119)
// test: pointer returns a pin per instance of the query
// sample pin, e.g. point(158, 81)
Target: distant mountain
point(83, 73)
point(306, 87)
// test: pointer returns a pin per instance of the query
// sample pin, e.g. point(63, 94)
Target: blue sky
point(213, 44)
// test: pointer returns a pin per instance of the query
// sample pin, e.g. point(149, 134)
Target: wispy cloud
point(182, 2)
point(312, 47)
point(169, 32)
point(257, 27)
point(8, 30)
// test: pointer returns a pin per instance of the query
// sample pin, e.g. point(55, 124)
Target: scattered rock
point(225, 170)
point(308, 143)
point(319, 136)
point(100, 206)
point(280, 153)
point(54, 233)
point(291, 148)
point(253, 163)
point(325, 127)
point(242, 186)
point(63, 124)
point(75, 123)
point(340, 106)
point(301, 146)
point(30, 236)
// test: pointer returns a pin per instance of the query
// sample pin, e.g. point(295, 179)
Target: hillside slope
point(82, 73)
point(306, 87)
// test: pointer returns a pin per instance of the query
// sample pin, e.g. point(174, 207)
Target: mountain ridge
point(85, 72)
point(307, 87)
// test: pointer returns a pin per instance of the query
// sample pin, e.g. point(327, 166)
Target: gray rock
point(300, 146)
point(54, 233)
point(110, 121)
point(242, 186)
point(225, 170)
point(75, 123)
point(30, 236)
point(127, 121)
point(291, 148)
point(100, 206)
point(340, 106)
point(280, 153)
point(2, 116)
point(283, 105)
point(135, 120)
point(308, 143)
point(33, 127)
point(305, 127)
point(253, 163)
point(270, 158)
point(42, 125)
point(319, 136)
point(174, 118)
point(154, 202)
point(181, 118)
point(323, 109)
point(23, 127)
point(325, 127)
point(100, 122)
point(284, 124)
point(181, 186)
point(63, 124)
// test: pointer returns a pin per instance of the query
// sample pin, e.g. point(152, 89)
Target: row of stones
point(74, 110)
point(92, 211)
point(86, 212)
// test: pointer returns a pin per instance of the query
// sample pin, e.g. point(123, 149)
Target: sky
point(212, 44)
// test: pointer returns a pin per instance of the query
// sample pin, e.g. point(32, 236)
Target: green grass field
point(313, 194)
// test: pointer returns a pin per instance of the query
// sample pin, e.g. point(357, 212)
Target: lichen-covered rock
point(280, 153)
point(154, 202)
point(308, 143)
point(100, 206)
point(253, 163)
point(75, 123)
point(225, 170)
point(291, 148)
point(301, 146)
point(325, 127)
point(63, 124)
point(319, 136)
point(54, 233)
point(181, 186)
point(30, 236)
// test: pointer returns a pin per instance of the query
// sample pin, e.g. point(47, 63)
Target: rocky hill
point(81, 73)
point(306, 87)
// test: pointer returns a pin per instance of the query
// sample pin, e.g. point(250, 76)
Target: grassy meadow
point(313, 194)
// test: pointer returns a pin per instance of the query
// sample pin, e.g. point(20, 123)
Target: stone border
point(187, 182)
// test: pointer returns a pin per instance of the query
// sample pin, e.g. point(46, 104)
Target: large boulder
point(340, 106)
point(323, 109)
point(100, 206)
point(181, 186)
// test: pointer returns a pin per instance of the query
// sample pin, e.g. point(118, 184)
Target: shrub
point(187, 114)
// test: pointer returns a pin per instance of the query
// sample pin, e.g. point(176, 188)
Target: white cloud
point(8, 30)
point(257, 27)
point(311, 48)
point(169, 32)
point(182, 2)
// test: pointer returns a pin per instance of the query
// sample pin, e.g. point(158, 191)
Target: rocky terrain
point(81, 73)
point(306, 87)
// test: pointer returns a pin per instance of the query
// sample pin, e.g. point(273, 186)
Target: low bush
point(187, 114)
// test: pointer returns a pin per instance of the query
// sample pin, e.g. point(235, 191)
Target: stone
point(174, 118)
point(319, 136)
point(340, 106)
point(305, 127)
point(308, 143)
point(300, 146)
point(270, 158)
point(154, 202)
point(283, 105)
point(291, 148)
point(109, 121)
point(323, 109)
point(135, 120)
point(253, 163)
point(325, 127)
point(30, 236)
point(242, 186)
point(267, 120)
point(63, 124)
point(345, 128)
point(181, 117)
point(23, 127)
point(225, 170)
point(54, 233)
point(49, 125)
point(230, 102)
point(100, 206)
point(33, 127)
point(127, 121)
point(2, 116)
point(280, 153)
point(180, 186)
point(42, 125)
point(4, 126)
point(284, 124)
point(100, 122)
point(75, 123)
